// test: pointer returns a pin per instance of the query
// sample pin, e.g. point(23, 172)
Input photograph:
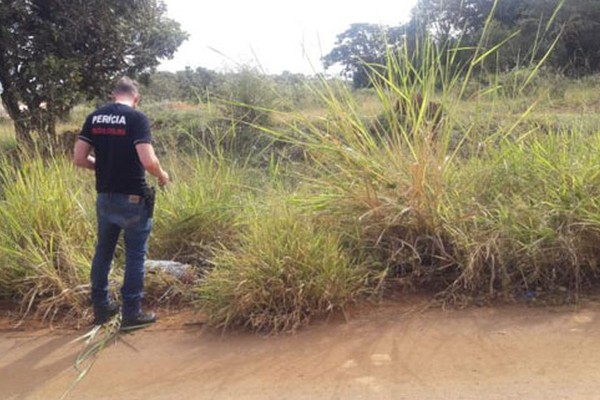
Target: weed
point(285, 271)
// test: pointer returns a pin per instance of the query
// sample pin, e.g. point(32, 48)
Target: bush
point(199, 212)
point(248, 97)
point(285, 271)
point(46, 237)
point(184, 128)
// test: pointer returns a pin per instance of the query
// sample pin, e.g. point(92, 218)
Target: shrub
point(199, 212)
point(285, 271)
point(46, 236)
point(248, 97)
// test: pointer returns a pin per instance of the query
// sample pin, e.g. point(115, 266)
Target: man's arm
point(151, 163)
point(81, 155)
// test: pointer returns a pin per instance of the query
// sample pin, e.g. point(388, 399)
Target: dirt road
point(391, 353)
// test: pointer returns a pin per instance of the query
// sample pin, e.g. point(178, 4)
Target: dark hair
point(126, 85)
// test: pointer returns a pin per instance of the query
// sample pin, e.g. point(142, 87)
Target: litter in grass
point(173, 268)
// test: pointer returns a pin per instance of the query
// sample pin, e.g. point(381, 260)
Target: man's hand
point(81, 155)
point(151, 164)
point(163, 178)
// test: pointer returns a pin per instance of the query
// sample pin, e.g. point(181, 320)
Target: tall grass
point(458, 185)
point(47, 230)
point(46, 236)
point(200, 211)
point(528, 219)
point(285, 271)
point(450, 206)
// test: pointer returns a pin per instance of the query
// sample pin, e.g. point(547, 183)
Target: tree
point(53, 53)
point(576, 25)
point(160, 86)
point(568, 29)
point(580, 46)
point(462, 23)
point(197, 85)
point(358, 47)
point(448, 19)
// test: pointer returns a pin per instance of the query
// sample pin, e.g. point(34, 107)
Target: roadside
point(392, 352)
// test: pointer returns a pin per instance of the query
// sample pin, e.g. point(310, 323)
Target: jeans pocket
point(133, 215)
point(131, 221)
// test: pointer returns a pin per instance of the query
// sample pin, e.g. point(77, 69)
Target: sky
point(274, 36)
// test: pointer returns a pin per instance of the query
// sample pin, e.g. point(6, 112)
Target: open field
point(295, 209)
point(425, 224)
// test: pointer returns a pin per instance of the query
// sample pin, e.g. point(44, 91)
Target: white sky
point(275, 35)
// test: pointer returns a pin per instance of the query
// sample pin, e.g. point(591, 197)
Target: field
point(290, 208)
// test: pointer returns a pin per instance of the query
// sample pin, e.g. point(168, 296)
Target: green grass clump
point(199, 211)
point(527, 218)
point(7, 136)
point(46, 236)
point(285, 271)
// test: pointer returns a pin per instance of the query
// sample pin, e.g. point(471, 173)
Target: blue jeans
point(120, 212)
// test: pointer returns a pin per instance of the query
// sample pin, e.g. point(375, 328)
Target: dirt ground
point(392, 352)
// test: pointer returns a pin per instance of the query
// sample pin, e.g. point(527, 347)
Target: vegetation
point(54, 53)
point(46, 236)
point(285, 270)
point(464, 29)
point(502, 206)
point(358, 47)
point(296, 197)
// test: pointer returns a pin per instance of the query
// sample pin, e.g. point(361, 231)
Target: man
point(122, 143)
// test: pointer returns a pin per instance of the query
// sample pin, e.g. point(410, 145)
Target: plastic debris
point(173, 268)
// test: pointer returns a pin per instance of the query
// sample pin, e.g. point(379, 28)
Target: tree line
point(203, 85)
point(57, 53)
point(564, 33)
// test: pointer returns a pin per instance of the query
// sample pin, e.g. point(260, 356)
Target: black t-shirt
point(114, 130)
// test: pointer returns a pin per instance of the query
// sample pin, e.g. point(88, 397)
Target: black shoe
point(103, 314)
point(140, 320)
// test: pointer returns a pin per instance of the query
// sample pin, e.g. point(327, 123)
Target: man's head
point(127, 91)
